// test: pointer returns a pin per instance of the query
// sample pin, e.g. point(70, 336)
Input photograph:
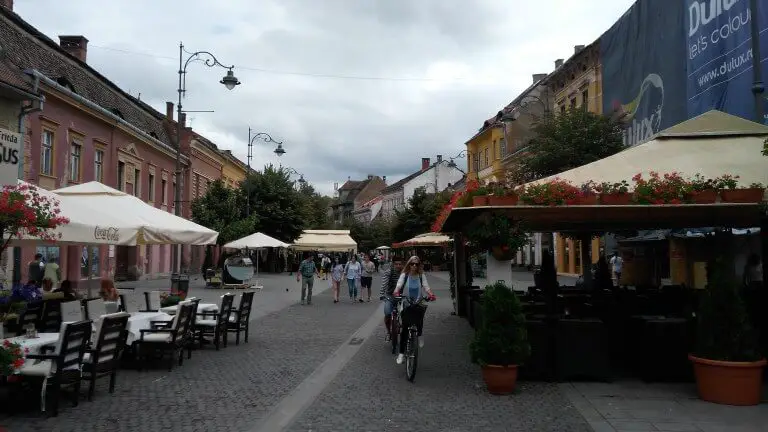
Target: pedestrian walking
point(307, 272)
point(326, 262)
point(337, 274)
point(366, 277)
point(352, 272)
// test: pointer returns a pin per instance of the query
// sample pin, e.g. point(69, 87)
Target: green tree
point(275, 203)
point(315, 207)
point(221, 209)
point(418, 217)
point(565, 141)
point(372, 235)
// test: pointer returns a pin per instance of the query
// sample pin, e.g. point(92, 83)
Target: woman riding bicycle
point(415, 287)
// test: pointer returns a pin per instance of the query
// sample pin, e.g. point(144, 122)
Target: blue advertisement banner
point(719, 55)
point(644, 69)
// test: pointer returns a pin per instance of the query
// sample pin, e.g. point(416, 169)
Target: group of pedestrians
point(356, 273)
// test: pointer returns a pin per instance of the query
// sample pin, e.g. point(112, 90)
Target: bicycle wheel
point(412, 354)
point(395, 333)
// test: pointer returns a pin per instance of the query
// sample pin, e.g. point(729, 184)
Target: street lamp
point(462, 154)
point(230, 82)
point(301, 179)
point(267, 138)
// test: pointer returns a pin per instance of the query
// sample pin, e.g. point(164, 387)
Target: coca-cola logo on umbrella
point(110, 234)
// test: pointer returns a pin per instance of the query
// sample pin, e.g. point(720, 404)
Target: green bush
point(171, 300)
point(501, 338)
point(724, 332)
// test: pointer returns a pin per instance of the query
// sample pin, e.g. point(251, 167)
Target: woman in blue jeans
point(352, 271)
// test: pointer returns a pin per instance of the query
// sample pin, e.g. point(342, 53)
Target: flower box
point(707, 196)
point(502, 200)
point(480, 201)
point(587, 199)
point(749, 195)
point(615, 199)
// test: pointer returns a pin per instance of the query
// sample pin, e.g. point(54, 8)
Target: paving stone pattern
point(228, 390)
point(448, 395)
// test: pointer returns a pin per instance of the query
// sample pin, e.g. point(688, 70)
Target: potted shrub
point(730, 193)
point(670, 188)
point(503, 196)
point(495, 233)
point(501, 339)
point(614, 193)
point(552, 193)
point(726, 360)
point(702, 190)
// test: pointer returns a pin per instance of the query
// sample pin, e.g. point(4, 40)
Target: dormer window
point(66, 83)
point(117, 112)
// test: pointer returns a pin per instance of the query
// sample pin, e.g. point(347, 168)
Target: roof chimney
point(439, 158)
point(75, 45)
point(183, 119)
point(578, 48)
point(558, 63)
point(8, 4)
point(425, 164)
point(538, 77)
point(370, 176)
point(385, 179)
point(169, 110)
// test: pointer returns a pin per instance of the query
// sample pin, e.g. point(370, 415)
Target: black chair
point(168, 337)
point(63, 366)
point(239, 321)
point(103, 358)
point(50, 320)
point(31, 316)
point(217, 324)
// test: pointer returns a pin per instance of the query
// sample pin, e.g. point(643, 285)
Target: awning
point(256, 241)
point(427, 239)
point(150, 225)
point(325, 240)
point(613, 218)
point(712, 144)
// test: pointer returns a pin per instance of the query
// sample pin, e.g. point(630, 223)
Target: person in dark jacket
point(388, 284)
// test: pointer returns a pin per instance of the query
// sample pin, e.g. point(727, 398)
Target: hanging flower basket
point(748, 195)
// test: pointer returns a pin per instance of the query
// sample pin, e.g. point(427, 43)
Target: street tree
point(369, 236)
point(275, 203)
point(315, 207)
point(565, 141)
point(419, 215)
point(221, 209)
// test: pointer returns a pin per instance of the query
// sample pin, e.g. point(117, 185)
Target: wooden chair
point(167, 337)
point(152, 301)
point(50, 320)
point(62, 367)
point(239, 321)
point(217, 324)
point(30, 316)
point(103, 358)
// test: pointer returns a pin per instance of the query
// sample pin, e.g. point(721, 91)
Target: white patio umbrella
point(153, 225)
point(256, 241)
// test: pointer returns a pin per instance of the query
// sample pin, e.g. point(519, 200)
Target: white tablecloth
point(35, 344)
point(202, 307)
point(141, 321)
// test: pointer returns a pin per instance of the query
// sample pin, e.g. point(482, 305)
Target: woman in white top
point(414, 285)
point(352, 272)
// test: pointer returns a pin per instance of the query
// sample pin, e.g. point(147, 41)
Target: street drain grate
point(356, 341)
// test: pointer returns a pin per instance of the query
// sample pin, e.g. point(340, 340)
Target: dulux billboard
point(666, 61)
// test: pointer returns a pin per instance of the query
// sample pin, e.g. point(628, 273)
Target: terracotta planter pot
point(616, 199)
point(590, 199)
point(506, 200)
point(480, 201)
point(751, 195)
point(708, 196)
point(501, 254)
point(729, 383)
point(500, 380)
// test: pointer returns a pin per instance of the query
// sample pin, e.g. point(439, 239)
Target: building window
point(487, 162)
point(585, 99)
point(137, 183)
point(121, 175)
point(476, 163)
point(164, 191)
point(89, 261)
point(98, 165)
point(46, 153)
point(151, 186)
point(562, 109)
point(502, 147)
point(573, 102)
point(49, 253)
point(173, 191)
point(74, 162)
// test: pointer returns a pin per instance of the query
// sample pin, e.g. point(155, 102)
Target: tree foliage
point(370, 236)
point(222, 209)
point(315, 207)
point(566, 141)
point(418, 216)
point(275, 202)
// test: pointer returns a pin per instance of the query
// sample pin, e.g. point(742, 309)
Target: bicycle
point(412, 344)
point(393, 332)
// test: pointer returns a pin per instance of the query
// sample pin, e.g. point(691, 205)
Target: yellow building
point(233, 170)
point(576, 83)
point(485, 151)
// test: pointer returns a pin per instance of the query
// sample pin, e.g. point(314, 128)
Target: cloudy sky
point(352, 87)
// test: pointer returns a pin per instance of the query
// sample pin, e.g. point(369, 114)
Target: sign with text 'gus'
point(10, 152)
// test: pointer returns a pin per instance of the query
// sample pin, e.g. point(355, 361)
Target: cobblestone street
point(239, 388)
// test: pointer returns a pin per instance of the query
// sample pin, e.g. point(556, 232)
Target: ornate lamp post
point(301, 179)
point(230, 82)
point(463, 154)
point(279, 151)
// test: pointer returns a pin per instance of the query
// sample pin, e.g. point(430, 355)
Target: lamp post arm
point(267, 138)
